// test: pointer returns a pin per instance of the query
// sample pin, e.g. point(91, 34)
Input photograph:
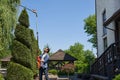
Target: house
point(4, 64)
point(4, 61)
point(108, 38)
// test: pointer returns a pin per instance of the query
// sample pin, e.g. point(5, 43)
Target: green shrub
point(53, 71)
point(117, 77)
point(18, 72)
point(24, 50)
point(35, 51)
point(24, 18)
point(34, 45)
point(21, 54)
point(1, 77)
point(23, 35)
point(4, 53)
point(65, 73)
point(81, 67)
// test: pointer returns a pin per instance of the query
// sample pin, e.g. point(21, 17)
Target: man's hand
point(42, 60)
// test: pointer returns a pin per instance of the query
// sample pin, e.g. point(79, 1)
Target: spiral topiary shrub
point(24, 18)
point(23, 35)
point(21, 54)
point(18, 72)
point(24, 52)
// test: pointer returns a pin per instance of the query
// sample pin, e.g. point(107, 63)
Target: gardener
point(44, 64)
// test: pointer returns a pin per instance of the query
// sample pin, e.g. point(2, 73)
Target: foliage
point(90, 29)
point(24, 18)
point(4, 53)
point(53, 71)
point(18, 72)
point(77, 51)
point(21, 54)
point(68, 69)
point(80, 66)
point(8, 12)
point(65, 73)
point(89, 59)
point(117, 77)
point(83, 56)
point(1, 77)
point(23, 35)
point(25, 49)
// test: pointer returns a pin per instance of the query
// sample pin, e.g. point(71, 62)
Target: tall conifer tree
point(8, 12)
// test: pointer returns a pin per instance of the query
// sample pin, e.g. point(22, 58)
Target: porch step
point(63, 79)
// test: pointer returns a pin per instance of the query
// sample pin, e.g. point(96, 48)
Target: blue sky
point(60, 22)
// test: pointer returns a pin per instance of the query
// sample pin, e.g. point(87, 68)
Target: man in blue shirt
point(44, 64)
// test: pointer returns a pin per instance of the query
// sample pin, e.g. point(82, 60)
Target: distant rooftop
point(60, 55)
point(6, 58)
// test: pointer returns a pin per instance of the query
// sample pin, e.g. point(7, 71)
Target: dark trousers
point(45, 71)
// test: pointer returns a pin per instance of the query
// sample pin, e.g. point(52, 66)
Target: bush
point(25, 56)
point(1, 77)
point(53, 71)
point(23, 35)
point(21, 54)
point(34, 45)
point(65, 73)
point(24, 18)
point(18, 72)
point(117, 77)
point(4, 53)
point(81, 67)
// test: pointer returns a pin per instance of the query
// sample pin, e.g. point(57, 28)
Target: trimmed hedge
point(18, 72)
point(65, 73)
point(117, 77)
point(23, 35)
point(26, 37)
point(24, 18)
point(34, 44)
point(53, 71)
point(21, 54)
point(24, 51)
point(35, 51)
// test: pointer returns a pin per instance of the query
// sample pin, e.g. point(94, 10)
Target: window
point(104, 19)
point(105, 43)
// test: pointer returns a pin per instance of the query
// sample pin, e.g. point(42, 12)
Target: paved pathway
point(52, 77)
point(55, 77)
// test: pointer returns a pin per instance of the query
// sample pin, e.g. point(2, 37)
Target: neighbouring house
point(107, 64)
point(4, 63)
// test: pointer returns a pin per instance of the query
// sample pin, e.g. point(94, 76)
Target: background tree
point(89, 59)
point(8, 12)
point(77, 51)
point(24, 51)
point(90, 29)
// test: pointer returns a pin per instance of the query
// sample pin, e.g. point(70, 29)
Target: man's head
point(46, 50)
